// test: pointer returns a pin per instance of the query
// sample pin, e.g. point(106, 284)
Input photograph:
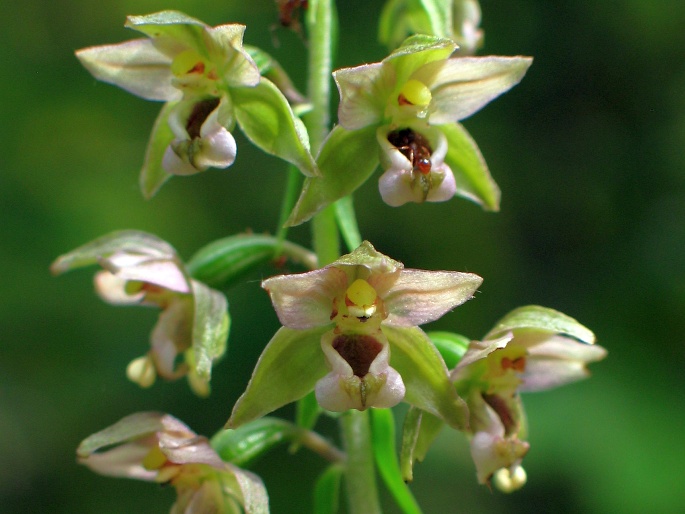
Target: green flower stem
point(292, 189)
point(360, 478)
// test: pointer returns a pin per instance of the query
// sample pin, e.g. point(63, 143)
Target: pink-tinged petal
point(492, 452)
point(395, 186)
point(112, 289)
point(162, 272)
point(558, 361)
point(479, 350)
point(306, 300)
point(463, 85)
point(194, 450)
point(173, 164)
point(171, 336)
point(218, 145)
point(421, 296)
point(122, 461)
point(363, 94)
point(135, 66)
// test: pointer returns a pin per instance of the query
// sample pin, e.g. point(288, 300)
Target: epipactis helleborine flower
point(409, 105)
point(363, 310)
point(530, 349)
point(209, 83)
point(140, 268)
point(159, 448)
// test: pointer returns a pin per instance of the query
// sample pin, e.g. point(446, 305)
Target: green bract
point(210, 83)
point(458, 20)
point(159, 448)
point(140, 268)
point(351, 334)
point(403, 113)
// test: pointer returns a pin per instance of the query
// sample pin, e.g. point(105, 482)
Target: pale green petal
point(135, 66)
point(364, 91)
point(463, 85)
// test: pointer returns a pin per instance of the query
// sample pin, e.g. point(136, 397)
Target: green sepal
point(267, 120)
point(470, 170)
point(171, 29)
point(210, 328)
point(224, 262)
point(383, 433)
point(534, 321)
point(347, 159)
point(288, 369)
point(131, 241)
point(327, 490)
point(272, 70)
point(415, 51)
point(451, 346)
point(244, 445)
point(152, 174)
point(425, 375)
point(418, 433)
point(347, 222)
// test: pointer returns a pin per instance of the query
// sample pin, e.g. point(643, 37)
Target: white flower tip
point(142, 371)
point(509, 480)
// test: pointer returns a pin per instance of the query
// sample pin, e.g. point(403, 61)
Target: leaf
point(210, 327)
point(419, 431)
point(451, 346)
point(152, 174)
point(347, 222)
point(308, 411)
point(471, 173)
point(327, 490)
point(425, 375)
point(383, 433)
point(347, 159)
point(533, 319)
point(244, 445)
point(267, 120)
point(287, 370)
point(225, 261)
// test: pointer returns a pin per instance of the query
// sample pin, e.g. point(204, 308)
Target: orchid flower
point(350, 332)
point(403, 112)
point(159, 448)
point(140, 268)
point(530, 349)
point(210, 83)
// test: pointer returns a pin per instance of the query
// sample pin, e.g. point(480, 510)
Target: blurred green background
point(588, 151)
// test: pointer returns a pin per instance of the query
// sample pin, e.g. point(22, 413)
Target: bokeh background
point(589, 153)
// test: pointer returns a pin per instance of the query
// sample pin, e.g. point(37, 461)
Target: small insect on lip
point(414, 147)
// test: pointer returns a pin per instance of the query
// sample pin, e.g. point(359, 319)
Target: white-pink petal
point(419, 296)
point(306, 300)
